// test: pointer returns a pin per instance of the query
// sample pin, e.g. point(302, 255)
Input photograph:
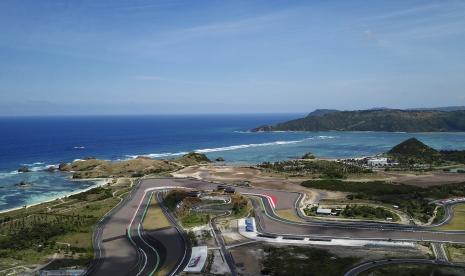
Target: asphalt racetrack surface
point(119, 252)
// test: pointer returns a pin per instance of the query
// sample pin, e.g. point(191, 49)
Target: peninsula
point(389, 120)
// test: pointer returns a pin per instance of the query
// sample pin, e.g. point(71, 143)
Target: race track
point(124, 248)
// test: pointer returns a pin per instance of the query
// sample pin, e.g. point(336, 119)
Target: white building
point(378, 162)
point(198, 258)
point(323, 211)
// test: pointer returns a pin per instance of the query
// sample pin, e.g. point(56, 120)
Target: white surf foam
point(226, 148)
point(42, 168)
point(159, 155)
point(236, 147)
point(326, 137)
point(32, 164)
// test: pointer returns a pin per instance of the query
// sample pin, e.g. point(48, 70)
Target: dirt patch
point(219, 266)
point(237, 174)
point(254, 177)
point(423, 179)
point(249, 257)
point(230, 233)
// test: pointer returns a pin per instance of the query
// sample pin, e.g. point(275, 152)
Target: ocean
point(43, 141)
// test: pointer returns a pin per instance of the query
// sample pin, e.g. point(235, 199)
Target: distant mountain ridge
point(322, 112)
point(389, 120)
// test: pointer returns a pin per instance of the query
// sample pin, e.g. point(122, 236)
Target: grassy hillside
point(192, 158)
point(140, 166)
point(31, 236)
point(377, 120)
point(414, 151)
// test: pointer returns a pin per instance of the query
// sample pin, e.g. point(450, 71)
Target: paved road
point(272, 224)
point(140, 240)
point(118, 256)
point(176, 242)
point(439, 252)
point(372, 264)
point(221, 243)
point(369, 265)
point(124, 248)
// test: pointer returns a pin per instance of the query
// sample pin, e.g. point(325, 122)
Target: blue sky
point(140, 57)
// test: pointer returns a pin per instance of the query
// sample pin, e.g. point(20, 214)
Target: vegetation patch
point(413, 200)
point(173, 198)
point(368, 212)
point(193, 158)
point(358, 212)
point(376, 120)
point(314, 168)
point(240, 206)
point(412, 151)
point(456, 252)
point(440, 214)
point(31, 235)
point(193, 219)
point(297, 260)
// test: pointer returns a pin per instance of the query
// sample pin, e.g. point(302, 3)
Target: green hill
point(192, 158)
point(376, 120)
point(413, 150)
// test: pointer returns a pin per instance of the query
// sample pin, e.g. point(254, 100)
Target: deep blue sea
point(42, 141)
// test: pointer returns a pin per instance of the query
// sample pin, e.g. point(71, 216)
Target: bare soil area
point(249, 257)
point(254, 177)
point(423, 179)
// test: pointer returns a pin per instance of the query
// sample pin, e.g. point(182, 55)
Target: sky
point(163, 57)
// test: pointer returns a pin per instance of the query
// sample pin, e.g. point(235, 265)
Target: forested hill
point(376, 120)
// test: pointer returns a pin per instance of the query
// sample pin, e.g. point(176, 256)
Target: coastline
point(98, 183)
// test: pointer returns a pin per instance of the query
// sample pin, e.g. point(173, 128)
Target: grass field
point(456, 252)
point(194, 219)
point(155, 218)
point(299, 260)
point(458, 220)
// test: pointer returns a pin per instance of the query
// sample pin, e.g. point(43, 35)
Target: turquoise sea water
point(39, 142)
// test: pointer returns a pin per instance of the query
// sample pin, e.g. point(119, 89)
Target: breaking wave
point(229, 148)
